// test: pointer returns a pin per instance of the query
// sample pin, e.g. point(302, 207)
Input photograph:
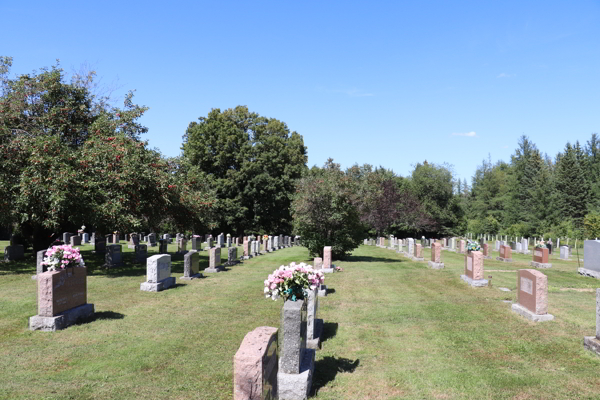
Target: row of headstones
point(261, 371)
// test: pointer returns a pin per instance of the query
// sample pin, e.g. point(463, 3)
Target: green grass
point(394, 329)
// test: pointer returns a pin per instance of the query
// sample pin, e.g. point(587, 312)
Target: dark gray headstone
point(141, 253)
point(100, 244)
point(14, 253)
point(232, 255)
point(191, 264)
point(162, 246)
point(293, 323)
point(114, 256)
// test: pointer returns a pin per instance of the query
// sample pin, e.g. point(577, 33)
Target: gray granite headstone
point(141, 253)
point(114, 256)
point(293, 323)
point(14, 253)
point(162, 247)
point(100, 244)
point(191, 265)
point(39, 268)
point(232, 255)
point(158, 273)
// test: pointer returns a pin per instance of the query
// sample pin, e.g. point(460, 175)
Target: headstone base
point(417, 258)
point(297, 386)
point(246, 257)
point(519, 309)
point(152, 245)
point(328, 270)
point(158, 286)
point(474, 282)
point(504, 259)
point(591, 343)
point(322, 292)
point(207, 248)
point(131, 246)
point(62, 320)
point(435, 265)
point(589, 272)
point(214, 270)
point(230, 263)
point(536, 264)
point(189, 278)
point(487, 257)
point(315, 342)
point(452, 250)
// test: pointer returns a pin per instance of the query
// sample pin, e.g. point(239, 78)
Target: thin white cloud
point(468, 134)
point(505, 75)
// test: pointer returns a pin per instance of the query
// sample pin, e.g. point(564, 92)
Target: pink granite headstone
point(246, 247)
point(418, 250)
point(486, 250)
point(461, 248)
point(255, 366)
point(436, 252)
point(532, 290)
point(474, 265)
point(318, 261)
point(505, 251)
point(540, 255)
point(327, 257)
point(62, 290)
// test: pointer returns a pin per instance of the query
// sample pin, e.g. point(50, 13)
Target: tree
point(325, 212)
point(252, 162)
point(571, 186)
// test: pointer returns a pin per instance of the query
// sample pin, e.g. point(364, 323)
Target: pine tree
point(572, 188)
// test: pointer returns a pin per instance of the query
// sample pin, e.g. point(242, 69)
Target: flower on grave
point(339, 269)
point(61, 257)
point(473, 246)
point(82, 229)
point(265, 237)
point(541, 245)
point(292, 282)
point(228, 235)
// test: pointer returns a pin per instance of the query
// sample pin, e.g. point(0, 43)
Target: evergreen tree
point(572, 188)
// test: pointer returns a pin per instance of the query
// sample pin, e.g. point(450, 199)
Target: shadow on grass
point(330, 291)
point(371, 259)
point(108, 315)
point(327, 368)
point(329, 331)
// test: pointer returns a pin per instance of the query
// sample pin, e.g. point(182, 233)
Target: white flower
point(266, 290)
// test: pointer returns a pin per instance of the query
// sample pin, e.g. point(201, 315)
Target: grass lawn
point(394, 329)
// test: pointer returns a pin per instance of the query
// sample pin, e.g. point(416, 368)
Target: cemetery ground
point(394, 329)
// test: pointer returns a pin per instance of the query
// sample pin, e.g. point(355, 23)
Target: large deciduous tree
point(252, 162)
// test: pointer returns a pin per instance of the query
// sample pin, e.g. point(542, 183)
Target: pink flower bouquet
point(292, 282)
point(61, 257)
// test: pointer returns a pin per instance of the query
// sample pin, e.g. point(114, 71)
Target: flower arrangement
point(541, 245)
point(229, 235)
point(61, 257)
point(473, 246)
point(339, 269)
point(292, 282)
point(265, 237)
point(82, 229)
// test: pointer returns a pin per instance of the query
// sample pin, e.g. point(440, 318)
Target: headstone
point(525, 246)
point(296, 362)
point(114, 256)
point(109, 239)
point(417, 254)
point(532, 295)
point(100, 244)
point(152, 240)
point(195, 243)
point(474, 269)
point(486, 251)
point(14, 253)
point(318, 263)
point(141, 253)
point(85, 238)
point(513, 245)
point(255, 366)
point(461, 248)
point(366, 241)
point(281, 241)
point(209, 243)
point(270, 244)
point(182, 246)
point(592, 343)
point(228, 240)
point(549, 246)
point(247, 249)
point(66, 237)
point(314, 326)
point(116, 237)
point(39, 268)
point(221, 240)
point(276, 242)
point(505, 254)
point(436, 256)
point(62, 299)
point(519, 247)
point(564, 252)
point(134, 240)
point(497, 245)
point(410, 247)
point(591, 259)
point(214, 264)
point(328, 267)
point(540, 258)
point(158, 274)
point(232, 256)
point(191, 265)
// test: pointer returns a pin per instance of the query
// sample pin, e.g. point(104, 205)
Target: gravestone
point(519, 248)
point(591, 259)
point(114, 256)
point(62, 299)
point(296, 362)
point(221, 240)
point(540, 258)
point(461, 247)
point(418, 256)
point(564, 252)
point(158, 274)
point(498, 244)
point(525, 246)
point(39, 268)
point(152, 240)
point(247, 249)
point(276, 242)
point(592, 343)
point(100, 244)
point(328, 267)
point(366, 241)
point(14, 252)
point(209, 243)
point(399, 246)
point(182, 246)
point(532, 295)
point(232, 258)
point(513, 245)
point(228, 241)
point(410, 248)
point(85, 238)
point(109, 239)
point(318, 263)
point(549, 246)
point(134, 240)
point(214, 263)
point(474, 269)
point(141, 253)
point(66, 237)
point(270, 244)
point(116, 237)
point(436, 256)
point(163, 246)
point(195, 243)
point(505, 254)
point(281, 241)
point(314, 326)
point(255, 366)
point(191, 265)
point(486, 251)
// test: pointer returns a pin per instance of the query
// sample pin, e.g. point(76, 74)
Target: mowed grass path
point(394, 329)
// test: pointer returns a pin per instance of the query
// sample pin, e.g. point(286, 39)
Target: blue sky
point(386, 83)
